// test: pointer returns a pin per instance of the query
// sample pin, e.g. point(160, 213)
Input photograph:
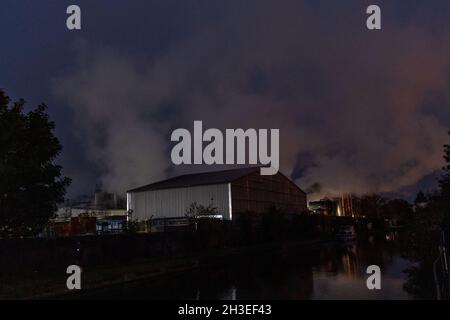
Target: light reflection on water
point(335, 271)
point(347, 279)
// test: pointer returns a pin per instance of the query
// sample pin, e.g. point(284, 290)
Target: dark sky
point(358, 110)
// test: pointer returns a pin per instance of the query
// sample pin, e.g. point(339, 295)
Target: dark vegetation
point(431, 222)
point(31, 184)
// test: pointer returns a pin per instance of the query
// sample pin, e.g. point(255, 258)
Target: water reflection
point(336, 271)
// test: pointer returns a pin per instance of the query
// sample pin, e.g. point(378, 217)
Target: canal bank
point(53, 285)
point(330, 270)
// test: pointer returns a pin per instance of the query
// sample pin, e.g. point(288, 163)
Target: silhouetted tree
point(397, 209)
point(425, 235)
point(444, 181)
point(31, 184)
point(371, 204)
point(420, 198)
point(444, 184)
point(196, 210)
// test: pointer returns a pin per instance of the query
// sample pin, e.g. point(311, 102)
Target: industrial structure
point(101, 213)
point(231, 192)
point(346, 205)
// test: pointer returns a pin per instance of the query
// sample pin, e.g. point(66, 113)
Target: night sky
point(358, 110)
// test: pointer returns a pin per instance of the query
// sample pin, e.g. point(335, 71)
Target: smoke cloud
point(358, 110)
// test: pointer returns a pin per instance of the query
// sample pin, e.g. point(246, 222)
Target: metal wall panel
point(258, 194)
point(167, 203)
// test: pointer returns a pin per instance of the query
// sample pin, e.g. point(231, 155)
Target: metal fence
point(440, 271)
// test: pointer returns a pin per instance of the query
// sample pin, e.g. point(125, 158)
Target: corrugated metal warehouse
point(230, 191)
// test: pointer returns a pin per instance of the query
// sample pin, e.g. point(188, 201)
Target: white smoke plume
point(354, 107)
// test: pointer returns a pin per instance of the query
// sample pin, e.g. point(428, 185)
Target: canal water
point(333, 271)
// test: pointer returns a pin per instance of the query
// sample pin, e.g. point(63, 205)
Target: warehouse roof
point(204, 178)
point(197, 179)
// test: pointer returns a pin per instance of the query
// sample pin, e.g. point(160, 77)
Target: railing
point(440, 272)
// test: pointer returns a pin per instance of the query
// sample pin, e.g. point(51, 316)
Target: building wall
point(66, 213)
point(169, 203)
point(259, 193)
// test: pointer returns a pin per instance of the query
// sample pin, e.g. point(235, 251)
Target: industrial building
point(100, 213)
point(346, 205)
point(230, 191)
